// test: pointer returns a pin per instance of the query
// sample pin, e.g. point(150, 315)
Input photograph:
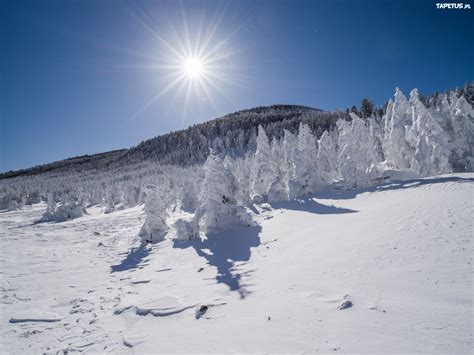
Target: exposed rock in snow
point(345, 305)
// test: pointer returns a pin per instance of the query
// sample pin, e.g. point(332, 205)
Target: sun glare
point(193, 67)
point(196, 65)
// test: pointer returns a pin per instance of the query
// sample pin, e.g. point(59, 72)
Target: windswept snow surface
point(385, 269)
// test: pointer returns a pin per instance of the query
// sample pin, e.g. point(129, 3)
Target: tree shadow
point(222, 250)
point(135, 259)
point(310, 205)
point(335, 194)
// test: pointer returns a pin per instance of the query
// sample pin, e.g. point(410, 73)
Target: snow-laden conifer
point(49, 214)
point(279, 188)
point(304, 178)
point(155, 227)
point(218, 208)
point(460, 114)
point(356, 156)
point(263, 171)
point(326, 160)
point(397, 118)
point(432, 143)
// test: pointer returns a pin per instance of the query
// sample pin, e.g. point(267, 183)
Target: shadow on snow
point(310, 205)
point(335, 194)
point(135, 259)
point(223, 250)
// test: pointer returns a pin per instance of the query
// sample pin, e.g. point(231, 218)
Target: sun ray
point(204, 89)
point(216, 88)
point(214, 28)
point(161, 93)
point(195, 63)
point(186, 102)
point(186, 30)
point(160, 38)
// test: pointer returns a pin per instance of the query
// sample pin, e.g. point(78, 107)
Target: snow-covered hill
point(234, 134)
point(401, 253)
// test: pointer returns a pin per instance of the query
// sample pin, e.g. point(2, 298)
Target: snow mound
point(159, 307)
point(35, 316)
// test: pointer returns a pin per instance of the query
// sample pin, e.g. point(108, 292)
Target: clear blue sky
point(78, 77)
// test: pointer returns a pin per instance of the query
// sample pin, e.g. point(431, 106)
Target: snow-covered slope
point(401, 253)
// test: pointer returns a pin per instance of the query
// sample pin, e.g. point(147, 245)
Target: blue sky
point(79, 77)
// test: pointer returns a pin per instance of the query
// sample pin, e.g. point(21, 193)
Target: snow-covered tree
point(155, 227)
point(218, 209)
point(68, 209)
point(431, 142)
point(278, 189)
point(461, 117)
point(131, 195)
point(263, 171)
point(397, 118)
point(412, 137)
point(356, 156)
point(376, 132)
point(304, 177)
point(326, 161)
point(49, 214)
point(241, 169)
point(189, 196)
point(113, 197)
point(13, 205)
point(186, 229)
point(289, 148)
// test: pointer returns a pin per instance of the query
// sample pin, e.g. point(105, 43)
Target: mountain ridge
point(233, 134)
point(90, 159)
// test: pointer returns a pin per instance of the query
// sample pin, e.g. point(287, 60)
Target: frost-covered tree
point(186, 229)
point(431, 142)
point(289, 148)
point(70, 208)
point(49, 214)
point(263, 170)
point(304, 177)
point(155, 227)
point(326, 160)
point(33, 196)
point(461, 117)
point(131, 195)
point(376, 132)
point(97, 196)
point(396, 120)
point(434, 139)
point(113, 197)
point(218, 208)
point(279, 188)
point(241, 169)
point(189, 196)
point(13, 205)
point(356, 156)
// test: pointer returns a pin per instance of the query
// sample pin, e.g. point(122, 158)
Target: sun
point(193, 62)
point(193, 68)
